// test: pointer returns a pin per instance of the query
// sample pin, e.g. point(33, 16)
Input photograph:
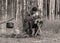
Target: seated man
point(30, 18)
point(38, 22)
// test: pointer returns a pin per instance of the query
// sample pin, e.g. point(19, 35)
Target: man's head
point(33, 10)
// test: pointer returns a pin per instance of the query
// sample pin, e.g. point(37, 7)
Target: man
point(30, 18)
point(34, 15)
point(37, 21)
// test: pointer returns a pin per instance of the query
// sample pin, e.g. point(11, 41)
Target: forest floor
point(50, 34)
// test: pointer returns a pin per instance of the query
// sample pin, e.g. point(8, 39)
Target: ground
point(50, 34)
point(52, 39)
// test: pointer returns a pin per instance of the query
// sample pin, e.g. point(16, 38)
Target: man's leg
point(36, 28)
point(35, 31)
point(30, 29)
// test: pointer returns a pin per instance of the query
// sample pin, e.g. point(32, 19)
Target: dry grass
point(50, 34)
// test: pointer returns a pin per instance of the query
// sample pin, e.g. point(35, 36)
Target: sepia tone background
point(15, 11)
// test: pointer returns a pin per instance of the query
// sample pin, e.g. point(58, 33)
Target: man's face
point(35, 15)
point(34, 12)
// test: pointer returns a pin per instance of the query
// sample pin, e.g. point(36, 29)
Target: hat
point(34, 9)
